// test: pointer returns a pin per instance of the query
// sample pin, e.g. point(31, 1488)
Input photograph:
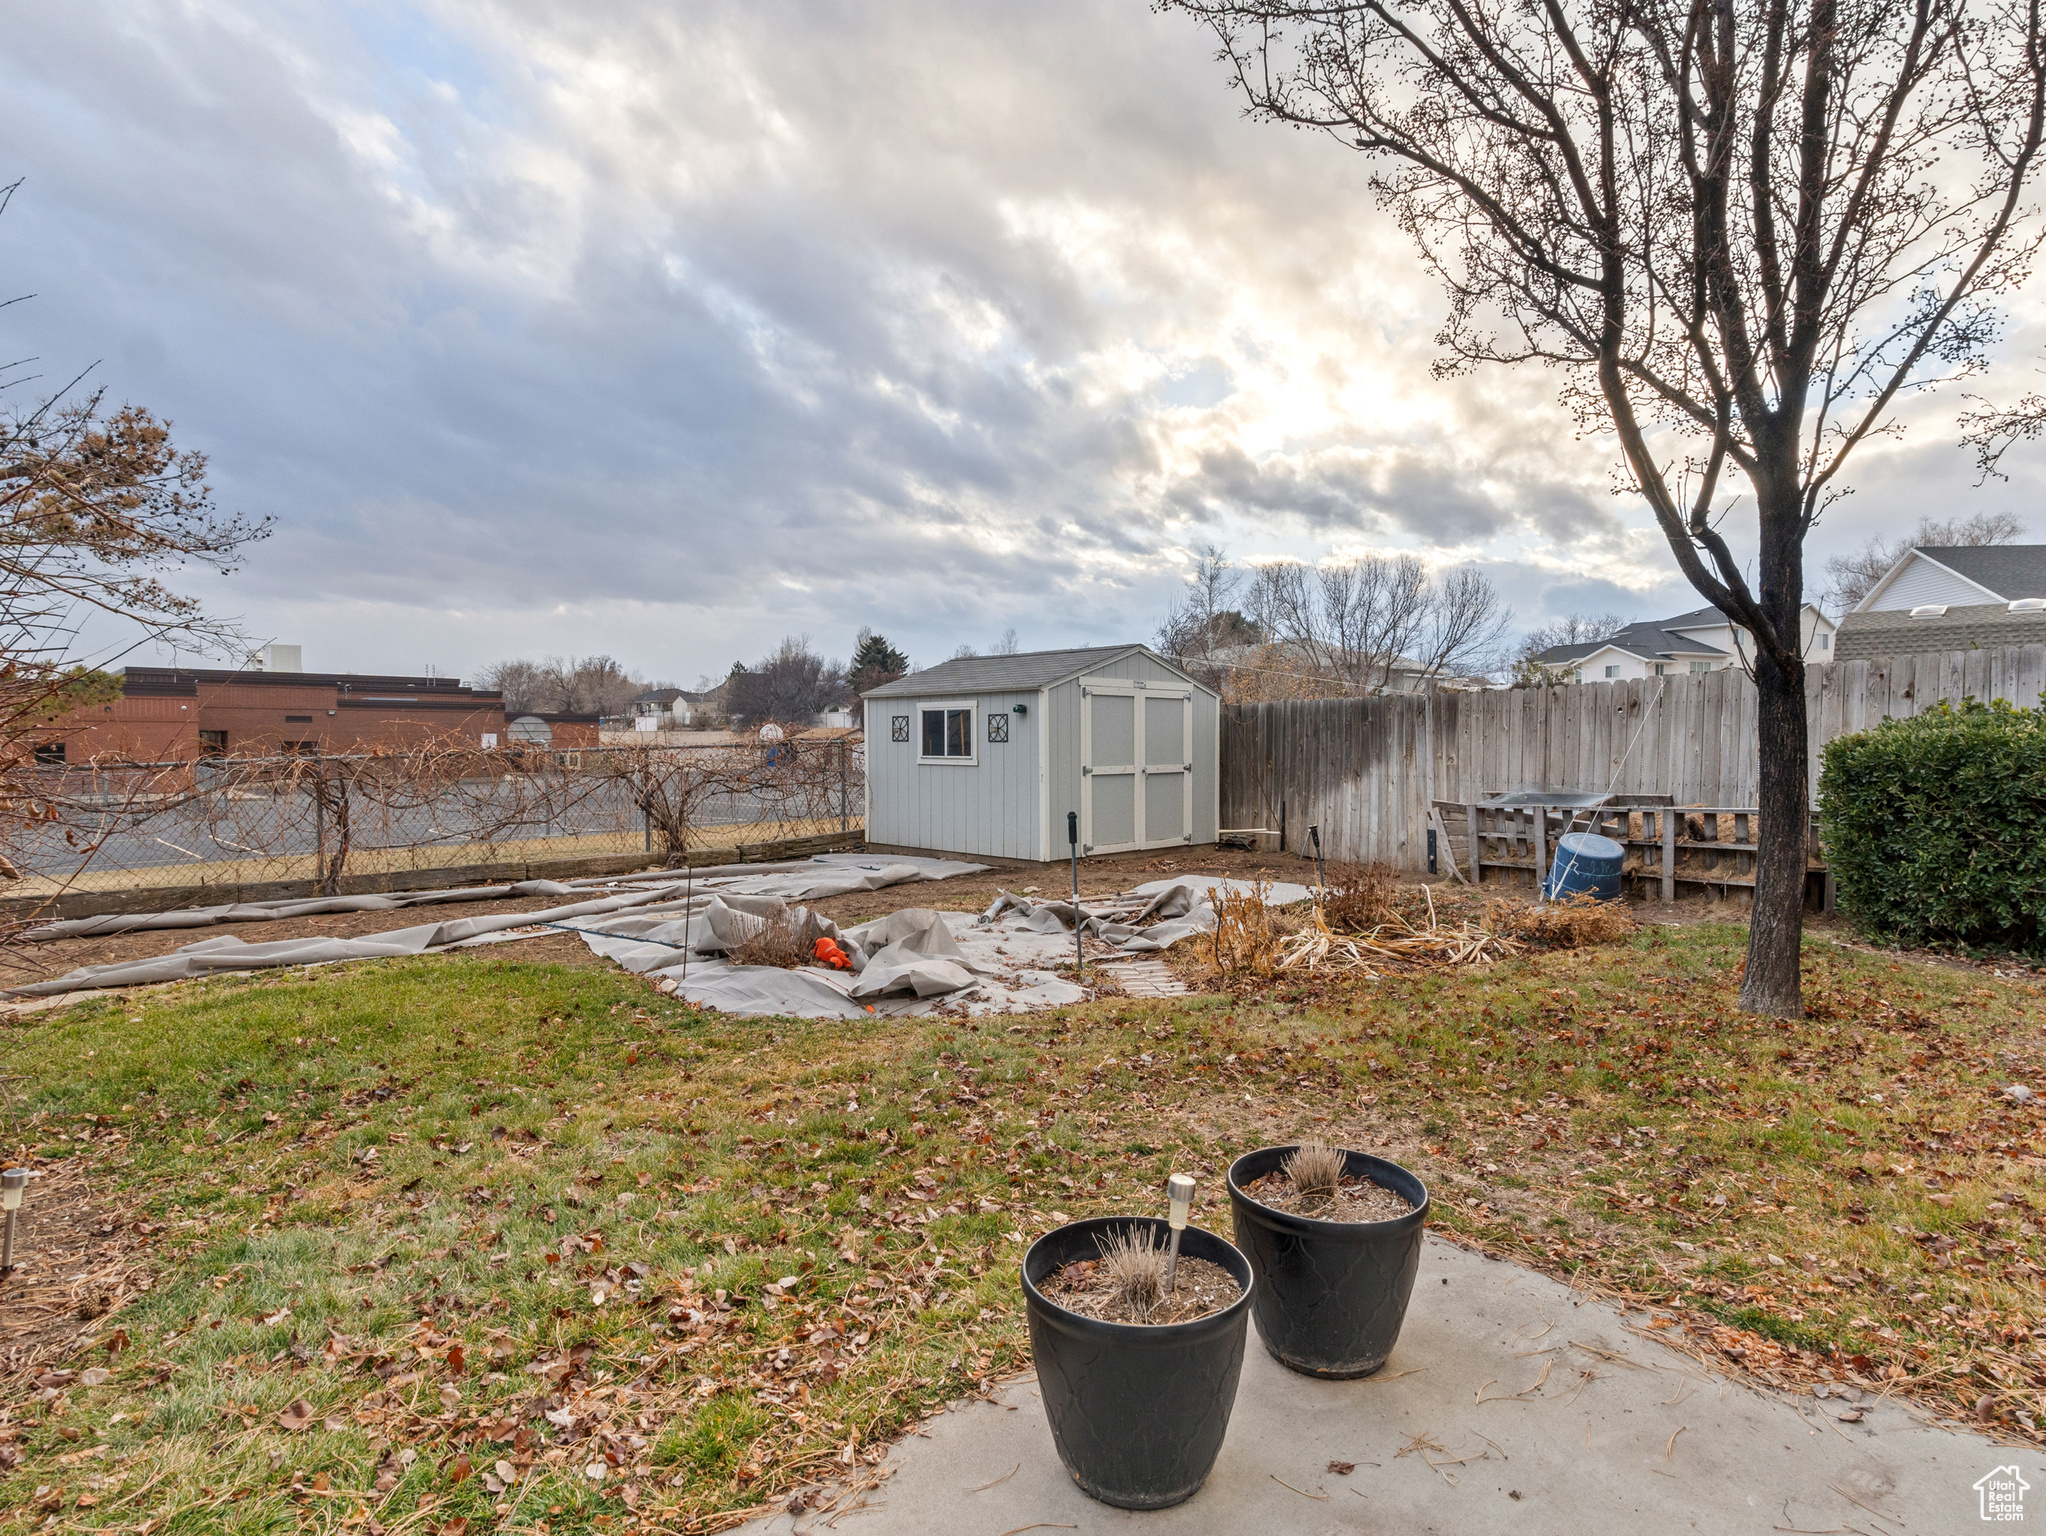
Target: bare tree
point(1737, 233)
point(1853, 576)
point(520, 682)
point(558, 685)
point(1365, 621)
point(1203, 621)
point(791, 687)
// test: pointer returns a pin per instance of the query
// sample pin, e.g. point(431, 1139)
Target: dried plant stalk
point(782, 939)
point(1133, 1264)
point(1358, 897)
point(1316, 1170)
point(1246, 940)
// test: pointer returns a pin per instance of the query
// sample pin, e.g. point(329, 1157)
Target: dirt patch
point(77, 1261)
point(1355, 1200)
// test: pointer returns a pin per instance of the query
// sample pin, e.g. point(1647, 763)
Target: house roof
point(1963, 627)
point(2008, 570)
point(1651, 640)
point(659, 696)
point(1701, 618)
point(1006, 674)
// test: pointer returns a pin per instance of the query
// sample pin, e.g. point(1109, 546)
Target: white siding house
point(986, 755)
point(1704, 640)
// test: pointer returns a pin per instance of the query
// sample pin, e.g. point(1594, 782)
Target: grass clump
point(1316, 1171)
point(1133, 1268)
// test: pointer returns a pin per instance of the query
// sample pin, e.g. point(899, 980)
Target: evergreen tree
point(875, 662)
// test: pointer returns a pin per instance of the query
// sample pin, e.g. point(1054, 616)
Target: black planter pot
point(1329, 1295)
point(1138, 1413)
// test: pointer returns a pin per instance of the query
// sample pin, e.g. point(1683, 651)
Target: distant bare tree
point(791, 687)
point(1008, 645)
point(1852, 576)
point(1738, 233)
point(1366, 620)
point(558, 685)
point(519, 681)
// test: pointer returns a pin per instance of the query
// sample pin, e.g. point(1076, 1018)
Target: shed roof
point(1963, 627)
point(1006, 674)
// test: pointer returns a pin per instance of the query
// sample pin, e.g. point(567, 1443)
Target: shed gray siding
point(987, 807)
point(1013, 802)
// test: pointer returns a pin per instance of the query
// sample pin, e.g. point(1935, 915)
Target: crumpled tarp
point(912, 961)
point(213, 956)
point(1182, 903)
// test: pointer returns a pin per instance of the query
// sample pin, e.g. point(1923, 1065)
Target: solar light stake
point(1320, 874)
point(1179, 1189)
point(1073, 837)
point(12, 1182)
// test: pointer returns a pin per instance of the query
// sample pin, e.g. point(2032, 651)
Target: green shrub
point(1935, 827)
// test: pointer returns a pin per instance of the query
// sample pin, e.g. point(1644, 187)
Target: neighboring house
point(1951, 598)
point(659, 709)
point(1703, 640)
point(989, 755)
point(182, 713)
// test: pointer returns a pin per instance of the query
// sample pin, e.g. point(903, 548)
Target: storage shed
point(987, 754)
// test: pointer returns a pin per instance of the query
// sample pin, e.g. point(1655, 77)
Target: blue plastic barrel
point(1584, 861)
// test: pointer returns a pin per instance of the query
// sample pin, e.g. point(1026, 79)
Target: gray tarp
point(1177, 909)
point(732, 890)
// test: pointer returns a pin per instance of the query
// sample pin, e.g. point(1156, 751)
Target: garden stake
point(1179, 1189)
point(11, 1184)
point(1320, 874)
point(1073, 837)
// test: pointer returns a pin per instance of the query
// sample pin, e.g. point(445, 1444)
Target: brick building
point(172, 713)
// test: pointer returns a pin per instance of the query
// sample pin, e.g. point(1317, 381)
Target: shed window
point(998, 726)
point(898, 728)
point(945, 734)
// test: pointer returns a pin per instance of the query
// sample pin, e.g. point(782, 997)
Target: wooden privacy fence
point(1367, 771)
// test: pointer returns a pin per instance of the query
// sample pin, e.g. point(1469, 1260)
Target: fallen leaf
point(458, 1469)
point(297, 1415)
point(1342, 1468)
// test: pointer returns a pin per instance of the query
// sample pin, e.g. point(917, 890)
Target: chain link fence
point(239, 821)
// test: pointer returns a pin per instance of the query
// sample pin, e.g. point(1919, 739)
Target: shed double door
point(1136, 766)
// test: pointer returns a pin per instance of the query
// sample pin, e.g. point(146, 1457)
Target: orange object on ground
point(827, 951)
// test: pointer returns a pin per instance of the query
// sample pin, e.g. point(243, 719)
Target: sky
point(667, 330)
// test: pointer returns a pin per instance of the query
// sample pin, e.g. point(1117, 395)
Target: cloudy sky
point(669, 329)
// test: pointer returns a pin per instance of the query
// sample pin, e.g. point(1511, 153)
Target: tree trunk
point(1771, 983)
